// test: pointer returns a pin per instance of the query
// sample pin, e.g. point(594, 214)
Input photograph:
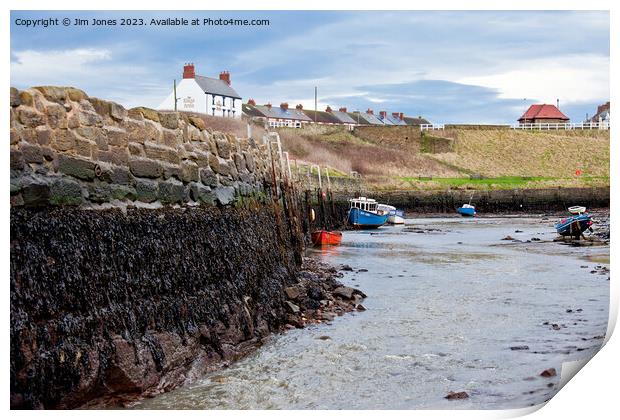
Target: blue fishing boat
point(466, 210)
point(363, 213)
point(574, 225)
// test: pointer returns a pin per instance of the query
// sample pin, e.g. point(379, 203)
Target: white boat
point(577, 209)
point(395, 217)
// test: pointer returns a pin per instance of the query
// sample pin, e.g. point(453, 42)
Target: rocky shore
point(318, 297)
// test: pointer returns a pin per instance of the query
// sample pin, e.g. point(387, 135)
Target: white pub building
point(205, 95)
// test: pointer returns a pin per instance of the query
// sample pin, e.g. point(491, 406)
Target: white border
point(593, 394)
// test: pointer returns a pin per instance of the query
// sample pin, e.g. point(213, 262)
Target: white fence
point(431, 127)
point(605, 125)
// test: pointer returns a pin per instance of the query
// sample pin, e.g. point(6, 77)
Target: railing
point(431, 127)
point(605, 125)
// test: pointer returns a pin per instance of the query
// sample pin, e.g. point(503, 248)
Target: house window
point(233, 103)
point(213, 111)
point(229, 112)
point(223, 113)
point(233, 113)
point(212, 99)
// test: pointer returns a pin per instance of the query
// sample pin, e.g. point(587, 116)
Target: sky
point(450, 67)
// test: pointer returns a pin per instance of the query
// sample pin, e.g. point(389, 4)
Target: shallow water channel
point(447, 299)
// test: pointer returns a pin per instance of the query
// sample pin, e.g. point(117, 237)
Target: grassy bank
point(404, 158)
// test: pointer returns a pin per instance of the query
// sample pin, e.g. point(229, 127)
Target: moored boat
point(395, 216)
point(574, 225)
point(326, 237)
point(364, 214)
point(466, 210)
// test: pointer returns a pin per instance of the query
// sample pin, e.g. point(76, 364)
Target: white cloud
point(572, 79)
point(98, 71)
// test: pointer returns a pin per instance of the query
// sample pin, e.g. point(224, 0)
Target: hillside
point(403, 157)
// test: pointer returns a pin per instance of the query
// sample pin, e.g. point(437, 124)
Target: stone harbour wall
point(71, 149)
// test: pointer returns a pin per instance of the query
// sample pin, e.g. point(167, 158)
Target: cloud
point(572, 78)
point(451, 66)
point(99, 71)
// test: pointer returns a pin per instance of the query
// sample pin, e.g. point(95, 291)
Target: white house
point(205, 95)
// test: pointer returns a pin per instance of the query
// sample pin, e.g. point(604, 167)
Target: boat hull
point(396, 217)
point(466, 211)
point(574, 225)
point(362, 219)
point(325, 237)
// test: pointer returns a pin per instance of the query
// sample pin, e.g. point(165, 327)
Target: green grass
point(506, 182)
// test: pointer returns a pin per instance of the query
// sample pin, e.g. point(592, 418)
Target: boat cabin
point(363, 203)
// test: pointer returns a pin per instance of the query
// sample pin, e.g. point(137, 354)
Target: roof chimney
point(401, 116)
point(251, 102)
point(370, 111)
point(395, 114)
point(225, 76)
point(557, 101)
point(328, 109)
point(343, 109)
point(383, 114)
point(299, 107)
point(284, 106)
point(268, 105)
point(188, 71)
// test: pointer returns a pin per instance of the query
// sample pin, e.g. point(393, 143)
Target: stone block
point(249, 161)
point(145, 168)
point(66, 192)
point(189, 171)
point(31, 153)
point(84, 147)
point(116, 136)
point(171, 192)
point(121, 192)
point(35, 194)
point(214, 163)
point(89, 118)
point(17, 160)
point(31, 118)
point(223, 148)
point(15, 100)
point(146, 191)
point(117, 112)
point(14, 136)
point(26, 98)
point(99, 193)
point(224, 195)
point(116, 155)
point(55, 115)
point(53, 93)
point(169, 119)
point(197, 122)
point(208, 177)
point(172, 171)
point(76, 95)
point(76, 167)
point(136, 149)
point(44, 137)
point(224, 168)
point(63, 140)
point(202, 194)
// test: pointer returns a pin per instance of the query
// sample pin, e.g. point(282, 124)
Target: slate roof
point(216, 87)
point(343, 117)
point(275, 112)
point(543, 112)
point(322, 117)
point(371, 118)
point(416, 121)
point(395, 120)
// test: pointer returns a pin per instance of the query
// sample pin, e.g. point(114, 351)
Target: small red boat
point(325, 237)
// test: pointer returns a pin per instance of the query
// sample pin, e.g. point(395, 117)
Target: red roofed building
point(543, 113)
